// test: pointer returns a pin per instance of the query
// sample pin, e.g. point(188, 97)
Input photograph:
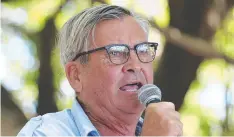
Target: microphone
point(149, 93)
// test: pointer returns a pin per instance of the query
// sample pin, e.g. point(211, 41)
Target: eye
point(143, 49)
point(118, 51)
point(115, 53)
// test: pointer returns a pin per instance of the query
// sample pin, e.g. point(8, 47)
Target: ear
point(73, 74)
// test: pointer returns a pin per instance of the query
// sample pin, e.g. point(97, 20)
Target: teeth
point(131, 90)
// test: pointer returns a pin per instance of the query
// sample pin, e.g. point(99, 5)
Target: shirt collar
point(82, 121)
point(85, 126)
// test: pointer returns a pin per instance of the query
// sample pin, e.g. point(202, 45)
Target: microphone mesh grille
point(147, 92)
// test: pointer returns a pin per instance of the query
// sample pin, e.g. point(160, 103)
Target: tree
point(177, 68)
point(192, 26)
point(12, 118)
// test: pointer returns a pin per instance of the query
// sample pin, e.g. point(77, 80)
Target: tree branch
point(60, 7)
point(191, 44)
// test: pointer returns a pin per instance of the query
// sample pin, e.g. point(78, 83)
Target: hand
point(161, 119)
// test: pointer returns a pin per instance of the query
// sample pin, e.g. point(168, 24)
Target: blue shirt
point(69, 122)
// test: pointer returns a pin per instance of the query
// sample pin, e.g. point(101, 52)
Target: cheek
point(149, 73)
point(111, 78)
point(110, 72)
point(104, 76)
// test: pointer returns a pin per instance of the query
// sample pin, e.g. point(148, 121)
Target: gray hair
point(74, 36)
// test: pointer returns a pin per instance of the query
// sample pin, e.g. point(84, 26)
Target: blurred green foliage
point(197, 119)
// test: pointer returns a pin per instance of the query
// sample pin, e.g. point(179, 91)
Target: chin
point(131, 107)
point(127, 102)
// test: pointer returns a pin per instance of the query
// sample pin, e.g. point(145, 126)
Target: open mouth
point(131, 87)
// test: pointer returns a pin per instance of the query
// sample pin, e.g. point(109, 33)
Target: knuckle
point(173, 131)
point(173, 128)
point(177, 114)
point(171, 123)
point(169, 105)
point(181, 124)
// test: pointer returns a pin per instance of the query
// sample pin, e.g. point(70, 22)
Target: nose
point(133, 65)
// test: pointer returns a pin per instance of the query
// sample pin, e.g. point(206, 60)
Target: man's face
point(109, 86)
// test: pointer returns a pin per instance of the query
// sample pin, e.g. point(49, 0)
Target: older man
point(107, 58)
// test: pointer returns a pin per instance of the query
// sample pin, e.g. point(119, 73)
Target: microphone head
point(149, 92)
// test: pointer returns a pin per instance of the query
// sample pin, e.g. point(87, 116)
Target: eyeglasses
point(119, 53)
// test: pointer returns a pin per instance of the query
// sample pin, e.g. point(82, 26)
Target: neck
point(108, 124)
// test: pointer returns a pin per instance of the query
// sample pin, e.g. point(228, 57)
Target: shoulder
point(51, 124)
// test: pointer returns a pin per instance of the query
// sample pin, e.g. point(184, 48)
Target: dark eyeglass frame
point(152, 44)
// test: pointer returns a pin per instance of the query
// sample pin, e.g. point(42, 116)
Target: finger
point(175, 115)
point(180, 128)
point(176, 128)
point(168, 105)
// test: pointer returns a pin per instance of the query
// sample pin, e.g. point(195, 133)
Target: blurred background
point(194, 66)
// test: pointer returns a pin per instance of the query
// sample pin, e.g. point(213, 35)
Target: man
point(107, 58)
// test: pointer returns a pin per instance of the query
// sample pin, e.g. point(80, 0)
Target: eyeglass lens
point(119, 54)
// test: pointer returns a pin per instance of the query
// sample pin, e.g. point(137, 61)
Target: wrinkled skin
point(97, 83)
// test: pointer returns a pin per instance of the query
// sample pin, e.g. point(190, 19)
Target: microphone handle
point(154, 100)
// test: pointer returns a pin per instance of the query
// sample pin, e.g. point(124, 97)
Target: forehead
point(125, 30)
